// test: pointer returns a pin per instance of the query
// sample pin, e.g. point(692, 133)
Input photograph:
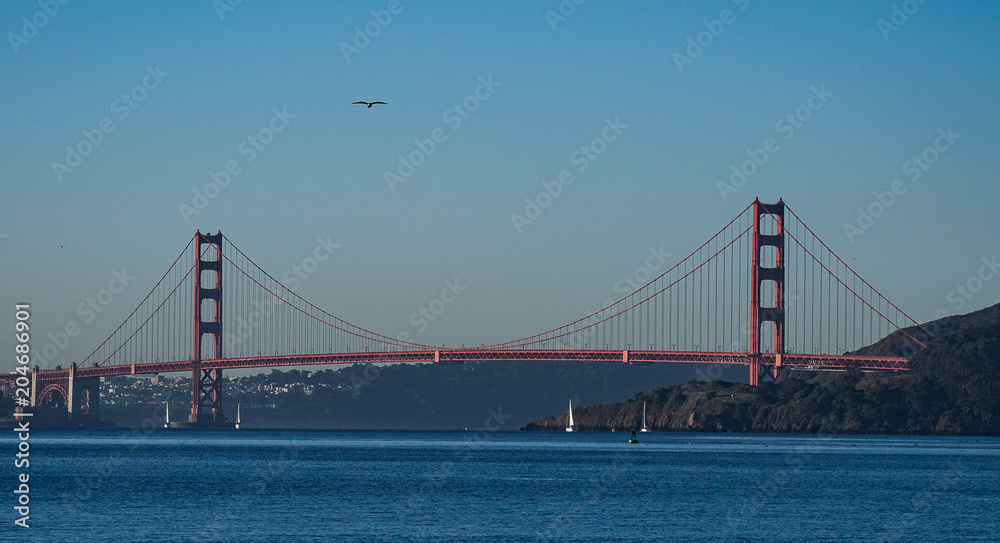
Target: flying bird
point(370, 104)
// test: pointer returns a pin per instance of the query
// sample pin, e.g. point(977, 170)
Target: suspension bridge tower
point(767, 283)
point(206, 384)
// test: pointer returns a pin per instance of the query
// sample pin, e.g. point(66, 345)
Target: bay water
point(270, 485)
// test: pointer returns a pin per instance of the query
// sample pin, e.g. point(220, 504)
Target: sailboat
point(166, 424)
point(644, 427)
point(239, 421)
point(570, 428)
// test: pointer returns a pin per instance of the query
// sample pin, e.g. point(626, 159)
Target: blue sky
point(215, 77)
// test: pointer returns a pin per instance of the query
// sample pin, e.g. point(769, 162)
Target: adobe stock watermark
point(562, 13)
point(786, 126)
point(426, 314)
point(455, 117)
point(593, 490)
point(222, 7)
point(37, 21)
point(97, 475)
point(249, 149)
point(363, 35)
point(898, 527)
point(913, 169)
point(965, 291)
point(299, 272)
point(704, 39)
point(247, 325)
point(740, 519)
point(898, 17)
point(368, 376)
point(629, 283)
point(738, 344)
point(714, 371)
point(123, 106)
point(256, 481)
point(292, 278)
point(582, 158)
point(420, 320)
point(408, 509)
point(88, 310)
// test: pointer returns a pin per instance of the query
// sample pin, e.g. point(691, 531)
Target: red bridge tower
point(206, 384)
point(768, 279)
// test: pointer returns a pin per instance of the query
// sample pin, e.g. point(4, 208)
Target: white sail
point(238, 419)
point(167, 423)
point(570, 428)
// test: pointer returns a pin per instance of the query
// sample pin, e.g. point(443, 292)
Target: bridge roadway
point(453, 356)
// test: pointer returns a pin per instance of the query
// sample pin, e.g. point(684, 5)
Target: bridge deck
point(790, 360)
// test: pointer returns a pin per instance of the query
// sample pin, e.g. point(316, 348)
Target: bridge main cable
point(346, 328)
point(537, 338)
point(856, 274)
point(134, 311)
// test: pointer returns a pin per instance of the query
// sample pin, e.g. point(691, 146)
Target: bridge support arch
point(62, 398)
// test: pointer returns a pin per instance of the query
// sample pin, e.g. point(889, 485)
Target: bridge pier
point(206, 398)
point(61, 398)
point(83, 401)
point(760, 369)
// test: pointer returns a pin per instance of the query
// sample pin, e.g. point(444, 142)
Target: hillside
point(952, 388)
point(899, 343)
point(428, 396)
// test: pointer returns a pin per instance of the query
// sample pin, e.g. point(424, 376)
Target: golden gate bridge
point(764, 292)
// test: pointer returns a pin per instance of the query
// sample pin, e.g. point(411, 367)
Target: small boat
point(166, 423)
point(633, 438)
point(571, 428)
point(644, 427)
point(239, 421)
